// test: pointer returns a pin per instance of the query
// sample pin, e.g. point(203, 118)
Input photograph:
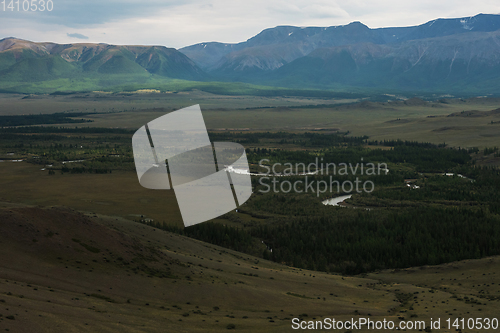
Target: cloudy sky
point(177, 23)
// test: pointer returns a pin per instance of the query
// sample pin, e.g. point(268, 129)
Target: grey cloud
point(77, 13)
point(77, 35)
point(178, 23)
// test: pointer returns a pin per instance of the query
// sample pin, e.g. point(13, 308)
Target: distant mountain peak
point(357, 24)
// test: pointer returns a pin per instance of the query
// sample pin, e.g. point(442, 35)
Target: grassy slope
point(56, 284)
point(138, 81)
point(38, 70)
point(116, 193)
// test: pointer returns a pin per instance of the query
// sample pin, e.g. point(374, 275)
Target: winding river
point(337, 200)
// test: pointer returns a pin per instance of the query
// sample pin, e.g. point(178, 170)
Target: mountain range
point(459, 54)
point(443, 55)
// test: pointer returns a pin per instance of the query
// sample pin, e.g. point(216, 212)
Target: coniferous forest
point(452, 213)
point(434, 205)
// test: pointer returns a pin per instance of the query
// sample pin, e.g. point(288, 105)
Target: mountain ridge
point(415, 63)
point(352, 33)
point(445, 55)
point(20, 55)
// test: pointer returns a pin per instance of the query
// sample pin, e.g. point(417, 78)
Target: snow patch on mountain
point(466, 23)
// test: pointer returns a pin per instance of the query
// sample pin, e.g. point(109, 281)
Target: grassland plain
point(17, 104)
point(431, 122)
point(118, 193)
point(456, 122)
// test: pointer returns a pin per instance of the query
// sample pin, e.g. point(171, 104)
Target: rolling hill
point(77, 272)
point(25, 61)
point(67, 271)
